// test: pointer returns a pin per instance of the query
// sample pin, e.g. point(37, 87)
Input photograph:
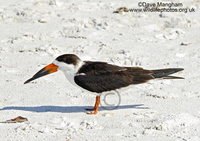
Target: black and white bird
point(98, 77)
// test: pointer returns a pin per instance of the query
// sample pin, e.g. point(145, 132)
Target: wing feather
point(103, 82)
point(100, 76)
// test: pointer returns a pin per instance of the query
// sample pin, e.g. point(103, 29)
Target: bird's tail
point(164, 73)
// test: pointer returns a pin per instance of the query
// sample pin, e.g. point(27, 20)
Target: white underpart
point(69, 70)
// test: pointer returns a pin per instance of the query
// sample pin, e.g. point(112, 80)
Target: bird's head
point(66, 62)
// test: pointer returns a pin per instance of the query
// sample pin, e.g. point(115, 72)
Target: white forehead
point(65, 67)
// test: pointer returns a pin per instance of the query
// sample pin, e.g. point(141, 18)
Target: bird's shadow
point(67, 109)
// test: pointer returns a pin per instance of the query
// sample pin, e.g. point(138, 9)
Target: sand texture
point(34, 32)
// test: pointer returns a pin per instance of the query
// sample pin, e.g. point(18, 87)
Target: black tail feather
point(163, 73)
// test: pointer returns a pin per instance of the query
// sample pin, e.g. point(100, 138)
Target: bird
point(98, 77)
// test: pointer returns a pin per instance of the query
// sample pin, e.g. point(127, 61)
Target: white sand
point(33, 33)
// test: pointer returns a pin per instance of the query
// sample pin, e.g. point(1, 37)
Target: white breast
point(70, 76)
point(69, 70)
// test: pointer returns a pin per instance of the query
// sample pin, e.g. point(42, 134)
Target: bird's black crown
point(68, 58)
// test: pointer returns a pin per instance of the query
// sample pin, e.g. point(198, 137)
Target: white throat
point(69, 70)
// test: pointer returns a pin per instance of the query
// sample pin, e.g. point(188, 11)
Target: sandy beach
point(34, 33)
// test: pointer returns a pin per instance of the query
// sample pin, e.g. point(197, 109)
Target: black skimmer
point(98, 77)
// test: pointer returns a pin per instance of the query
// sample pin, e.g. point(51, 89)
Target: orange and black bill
point(51, 68)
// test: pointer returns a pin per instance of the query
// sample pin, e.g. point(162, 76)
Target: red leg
point(96, 106)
